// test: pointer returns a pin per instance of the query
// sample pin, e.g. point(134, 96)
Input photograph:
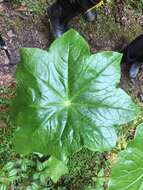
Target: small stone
point(140, 20)
point(10, 33)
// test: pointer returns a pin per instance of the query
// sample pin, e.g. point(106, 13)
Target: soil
point(19, 29)
point(113, 29)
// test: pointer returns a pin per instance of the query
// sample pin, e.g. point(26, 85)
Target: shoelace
point(96, 6)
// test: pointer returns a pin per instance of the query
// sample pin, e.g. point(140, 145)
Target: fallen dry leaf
point(3, 125)
point(22, 8)
point(2, 7)
point(10, 34)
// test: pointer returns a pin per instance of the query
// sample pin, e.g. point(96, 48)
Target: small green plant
point(12, 172)
point(8, 175)
point(33, 173)
point(68, 99)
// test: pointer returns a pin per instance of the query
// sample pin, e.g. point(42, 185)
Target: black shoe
point(134, 70)
point(55, 18)
point(90, 16)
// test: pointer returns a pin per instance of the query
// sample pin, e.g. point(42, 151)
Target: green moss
point(37, 6)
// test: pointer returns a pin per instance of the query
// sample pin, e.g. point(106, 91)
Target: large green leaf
point(127, 173)
point(67, 99)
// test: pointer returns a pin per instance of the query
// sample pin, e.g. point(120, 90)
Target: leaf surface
point(67, 99)
point(127, 173)
point(56, 168)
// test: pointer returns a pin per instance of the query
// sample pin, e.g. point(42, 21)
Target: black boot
point(62, 11)
point(134, 70)
point(86, 6)
point(90, 16)
point(55, 18)
point(60, 14)
point(133, 56)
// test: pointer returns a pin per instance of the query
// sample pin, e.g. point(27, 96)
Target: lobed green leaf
point(67, 99)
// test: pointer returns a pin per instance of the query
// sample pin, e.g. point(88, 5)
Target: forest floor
point(113, 29)
point(25, 26)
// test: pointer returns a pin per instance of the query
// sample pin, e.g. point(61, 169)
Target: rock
point(10, 34)
point(140, 20)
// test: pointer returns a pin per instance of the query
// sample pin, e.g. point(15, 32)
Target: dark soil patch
point(19, 30)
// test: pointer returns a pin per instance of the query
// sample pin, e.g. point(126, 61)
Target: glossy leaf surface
point(127, 173)
point(67, 99)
